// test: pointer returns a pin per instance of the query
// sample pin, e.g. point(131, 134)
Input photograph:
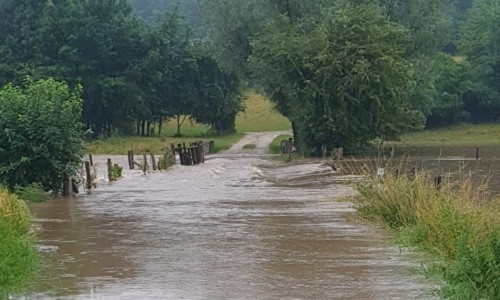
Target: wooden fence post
point(477, 153)
point(201, 152)
point(67, 186)
point(110, 170)
point(153, 161)
point(437, 182)
point(181, 155)
point(91, 160)
point(144, 163)
point(132, 159)
point(88, 176)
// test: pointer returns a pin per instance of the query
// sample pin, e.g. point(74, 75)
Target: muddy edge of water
point(237, 227)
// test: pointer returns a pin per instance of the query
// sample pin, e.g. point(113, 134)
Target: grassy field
point(259, 116)
point(473, 135)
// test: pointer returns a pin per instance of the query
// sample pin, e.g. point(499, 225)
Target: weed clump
point(459, 224)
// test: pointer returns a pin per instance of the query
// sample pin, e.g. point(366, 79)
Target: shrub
point(116, 172)
point(42, 137)
point(166, 161)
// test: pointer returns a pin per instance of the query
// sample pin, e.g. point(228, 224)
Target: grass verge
point(458, 224)
point(18, 257)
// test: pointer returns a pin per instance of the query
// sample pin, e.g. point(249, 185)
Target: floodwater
point(238, 227)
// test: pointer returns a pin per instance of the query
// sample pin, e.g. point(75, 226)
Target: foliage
point(41, 137)
point(116, 172)
point(451, 85)
point(31, 193)
point(427, 23)
point(150, 10)
point(17, 254)
point(341, 80)
point(480, 44)
point(458, 224)
point(218, 99)
point(135, 73)
point(166, 161)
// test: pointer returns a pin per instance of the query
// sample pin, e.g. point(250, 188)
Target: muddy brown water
point(237, 227)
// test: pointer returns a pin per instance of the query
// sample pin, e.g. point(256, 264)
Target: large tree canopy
point(341, 79)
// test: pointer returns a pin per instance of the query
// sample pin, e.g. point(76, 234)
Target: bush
point(458, 224)
point(41, 138)
point(17, 254)
point(116, 172)
point(166, 161)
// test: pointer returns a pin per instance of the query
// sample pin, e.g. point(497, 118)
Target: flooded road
point(238, 227)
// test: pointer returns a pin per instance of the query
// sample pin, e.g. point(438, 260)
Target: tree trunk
point(178, 134)
point(160, 122)
point(143, 128)
point(148, 128)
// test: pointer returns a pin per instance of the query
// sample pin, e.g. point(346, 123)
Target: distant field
point(259, 116)
point(458, 135)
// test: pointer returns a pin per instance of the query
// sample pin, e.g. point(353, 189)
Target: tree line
point(346, 72)
point(134, 73)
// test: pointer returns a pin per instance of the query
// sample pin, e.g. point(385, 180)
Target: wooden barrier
point(191, 155)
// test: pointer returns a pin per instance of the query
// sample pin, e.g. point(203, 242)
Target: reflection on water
point(234, 228)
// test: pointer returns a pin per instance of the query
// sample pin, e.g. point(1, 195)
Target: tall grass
point(17, 254)
point(459, 224)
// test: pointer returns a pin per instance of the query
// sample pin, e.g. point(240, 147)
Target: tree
point(341, 79)
point(168, 70)
point(218, 99)
point(428, 23)
point(480, 43)
point(452, 84)
point(41, 140)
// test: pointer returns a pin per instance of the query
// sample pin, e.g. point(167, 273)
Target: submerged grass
point(459, 224)
point(18, 257)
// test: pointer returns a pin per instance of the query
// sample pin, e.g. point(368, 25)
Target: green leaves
point(480, 43)
point(341, 79)
point(43, 133)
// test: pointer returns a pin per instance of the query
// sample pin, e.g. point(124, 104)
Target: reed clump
point(17, 253)
point(457, 222)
